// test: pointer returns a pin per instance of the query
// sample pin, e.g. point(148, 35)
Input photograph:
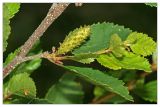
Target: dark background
point(137, 17)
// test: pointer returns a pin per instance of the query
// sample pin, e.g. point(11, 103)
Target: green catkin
point(73, 40)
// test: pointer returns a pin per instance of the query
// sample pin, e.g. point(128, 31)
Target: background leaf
point(100, 37)
point(151, 4)
point(22, 85)
point(148, 91)
point(9, 10)
point(66, 91)
point(97, 77)
point(10, 57)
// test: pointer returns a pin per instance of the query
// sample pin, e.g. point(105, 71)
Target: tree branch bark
point(54, 12)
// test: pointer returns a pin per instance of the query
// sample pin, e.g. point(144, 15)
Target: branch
point(54, 12)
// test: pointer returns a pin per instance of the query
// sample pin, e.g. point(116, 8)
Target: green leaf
point(148, 92)
point(133, 61)
point(151, 4)
point(141, 44)
point(98, 78)
point(84, 58)
point(116, 45)
point(10, 57)
point(86, 61)
point(66, 91)
point(116, 73)
point(9, 10)
point(128, 61)
point(109, 61)
point(23, 85)
point(100, 37)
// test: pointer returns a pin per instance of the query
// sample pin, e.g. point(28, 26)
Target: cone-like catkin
point(74, 39)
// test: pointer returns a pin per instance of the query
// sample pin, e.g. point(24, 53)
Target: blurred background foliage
point(136, 16)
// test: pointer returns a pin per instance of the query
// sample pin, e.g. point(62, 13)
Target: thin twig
point(41, 55)
point(54, 12)
point(105, 98)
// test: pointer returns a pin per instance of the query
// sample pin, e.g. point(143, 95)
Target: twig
point(105, 98)
point(54, 12)
point(41, 55)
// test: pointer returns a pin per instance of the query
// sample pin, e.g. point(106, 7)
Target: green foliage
point(129, 76)
point(128, 61)
point(141, 44)
point(151, 4)
point(9, 10)
point(74, 39)
point(116, 45)
point(100, 37)
point(109, 61)
point(84, 58)
point(148, 91)
point(66, 91)
point(22, 85)
point(98, 78)
point(10, 57)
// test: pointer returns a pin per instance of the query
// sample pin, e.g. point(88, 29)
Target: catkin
point(73, 40)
